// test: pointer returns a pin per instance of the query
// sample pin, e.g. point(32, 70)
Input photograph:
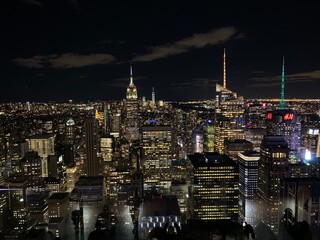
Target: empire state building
point(131, 107)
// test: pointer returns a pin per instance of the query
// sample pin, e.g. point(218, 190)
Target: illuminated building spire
point(131, 78)
point(282, 104)
point(153, 95)
point(224, 70)
point(131, 89)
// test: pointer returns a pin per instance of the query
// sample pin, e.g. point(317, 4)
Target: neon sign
point(288, 116)
point(269, 116)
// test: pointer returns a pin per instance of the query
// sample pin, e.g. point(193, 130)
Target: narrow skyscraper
point(131, 104)
point(91, 162)
point(274, 158)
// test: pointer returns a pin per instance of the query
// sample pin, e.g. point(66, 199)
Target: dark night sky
point(76, 49)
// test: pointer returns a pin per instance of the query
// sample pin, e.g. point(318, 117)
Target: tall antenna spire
point(131, 78)
point(282, 104)
point(153, 95)
point(224, 70)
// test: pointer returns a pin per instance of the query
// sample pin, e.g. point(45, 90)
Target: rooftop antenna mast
point(131, 77)
point(282, 104)
point(224, 70)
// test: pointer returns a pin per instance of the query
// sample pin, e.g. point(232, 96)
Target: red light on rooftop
point(269, 116)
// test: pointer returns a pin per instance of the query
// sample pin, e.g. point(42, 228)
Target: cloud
point(184, 45)
point(121, 82)
point(35, 2)
point(66, 60)
point(196, 82)
point(292, 78)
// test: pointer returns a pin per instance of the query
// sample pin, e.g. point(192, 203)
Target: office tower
point(31, 167)
point(202, 136)
point(198, 142)
point(18, 215)
point(3, 208)
point(99, 116)
point(72, 176)
point(115, 119)
point(107, 119)
point(208, 137)
point(299, 170)
point(234, 146)
point(274, 158)
point(106, 149)
point(91, 140)
point(70, 128)
point(223, 130)
point(157, 147)
point(229, 119)
point(248, 184)
point(44, 145)
point(69, 155)
point(310, 143)
point(255, 135)
point(157, 154)
point(55, 184)
point(18, 150)
point(131, 111)
point(53, 166)
point(3, 146)
point(58, 205)
point(215, 193)
point(286, 123)
point(37, 204)
point(310, 136)
point(255, 111)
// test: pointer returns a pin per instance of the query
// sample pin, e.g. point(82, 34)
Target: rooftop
point(58, 196)
point(208, 159)
point(161, 205)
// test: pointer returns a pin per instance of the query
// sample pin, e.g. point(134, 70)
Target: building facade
point(215, 191)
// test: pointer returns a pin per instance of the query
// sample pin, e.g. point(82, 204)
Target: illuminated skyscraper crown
point(131, 89)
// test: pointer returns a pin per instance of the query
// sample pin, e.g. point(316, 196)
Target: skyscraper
point(131, 109)
point(157, 153)
point(70, 131)
point(18, 216)
point(153, 96)
point(248, 184)
point(215, 193)
point(286, 123)
point(229, 114)
point(69, 152)
point(44, 145)
point(274, 157)
point(91, 138)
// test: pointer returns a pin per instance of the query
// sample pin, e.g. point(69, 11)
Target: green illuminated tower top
point(282, 104)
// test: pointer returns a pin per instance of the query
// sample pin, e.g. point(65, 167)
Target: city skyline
point(82, 50)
